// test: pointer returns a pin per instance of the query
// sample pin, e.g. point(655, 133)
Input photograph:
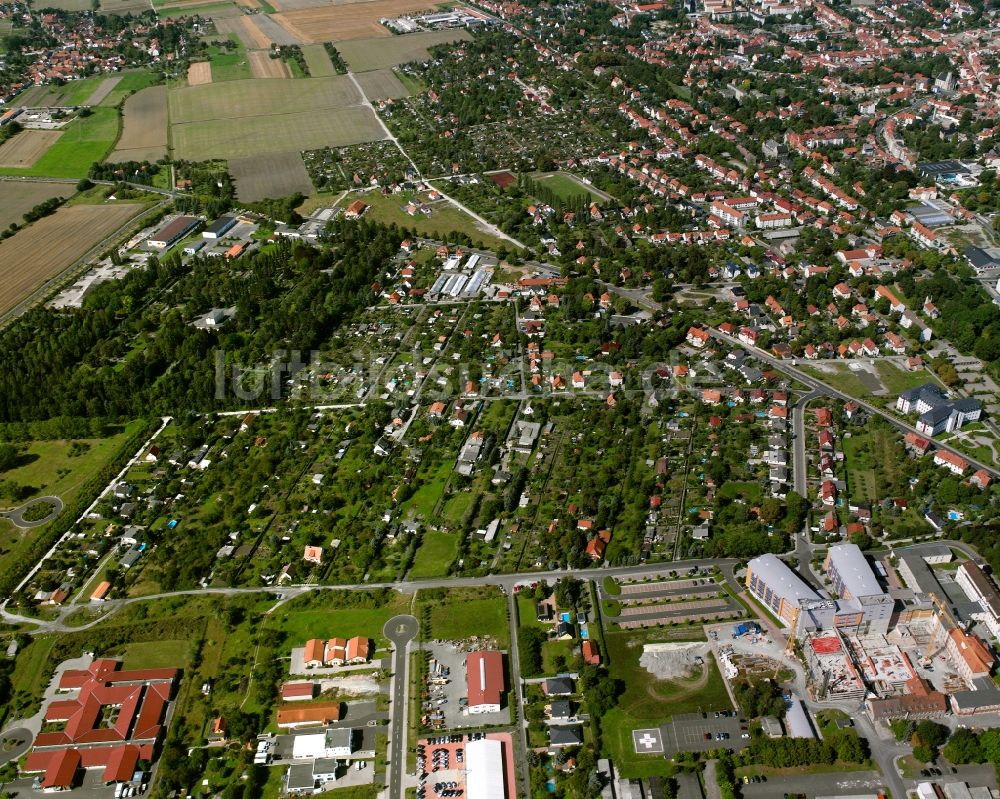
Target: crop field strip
point(52, 244)
point(382, 84)
point(144, 129)
point(318, 61)
point(24, 149)
point(264, 67)
point(253, 98)
point(275, 175)
point(103, 90)
point(18, 197)
point(335, 23)
point(363, 55)
point(253, 136)
point(199, 73)
point(123, 7)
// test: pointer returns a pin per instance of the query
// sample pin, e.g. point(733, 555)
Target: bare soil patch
point(200, 73)
point(275, 175)
point(263, 66)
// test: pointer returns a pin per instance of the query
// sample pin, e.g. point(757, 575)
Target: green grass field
point(84, 141)
point(436, 553)
point(318, 61)
point(130, 82)
point(363, 55)
point(323, 618)
point(249, 98)
point(52, 468)
point(897, 380)
point(229, 64)
point(465, 612)
point(444, 218)
point(566, 186)
point(157, 654)
point(649, 700)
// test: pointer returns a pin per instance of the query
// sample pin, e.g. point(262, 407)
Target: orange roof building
point(316, 713)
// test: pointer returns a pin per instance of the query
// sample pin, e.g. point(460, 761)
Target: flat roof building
point(780, 589)
point(484, 769)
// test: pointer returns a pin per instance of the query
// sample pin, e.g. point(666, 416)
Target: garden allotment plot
point(255, 117)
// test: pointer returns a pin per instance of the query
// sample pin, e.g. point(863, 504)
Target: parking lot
point(451, 697)
point(698, 732)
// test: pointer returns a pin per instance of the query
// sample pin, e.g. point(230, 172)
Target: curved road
point(16, 515)
point(400, 630)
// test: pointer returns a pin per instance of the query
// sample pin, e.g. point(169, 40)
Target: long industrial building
point(778, 587)
point(484, 770)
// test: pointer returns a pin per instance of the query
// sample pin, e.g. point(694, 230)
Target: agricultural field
point(105, 88)
point(248, 118)
point(72, 93)
point(343, 22)
point(263, 66)
point(144, 129)
point(53, 243)
point(241, 99)
point(199, 73)
point(274, 175)
point(253, 37)
point(382, 84)
point(129, 82)
point(363, 55)
point(83, 141)
point(24, 149)
point(250, 136)
point(17, 198)
point(123, 7)
point(318, 60)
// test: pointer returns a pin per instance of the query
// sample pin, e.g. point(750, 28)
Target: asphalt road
point(16, 515)
point(400, 630)
point(825, 388)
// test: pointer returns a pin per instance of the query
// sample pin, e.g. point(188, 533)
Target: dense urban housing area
point(500, 399)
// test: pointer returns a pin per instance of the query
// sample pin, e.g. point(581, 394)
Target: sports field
point(144, 131)
point(53, 243)
point(363, 55)
point(26, 147)
point(263, 176)
point(382, 84)
point(340, 22)
point(17, 197)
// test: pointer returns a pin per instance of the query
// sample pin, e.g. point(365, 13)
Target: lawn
point(60, 467)
point(860, 474)
point(751, 492)
point(425, 498)
point(465, 612)
point(444, 218)
point(320, 616)
point(156, 654)
point(551, 651)
point(840, 376)
point(566, 186)
point(897, 380)
point(437, 552)
point(456, 507)
point(84, 141)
